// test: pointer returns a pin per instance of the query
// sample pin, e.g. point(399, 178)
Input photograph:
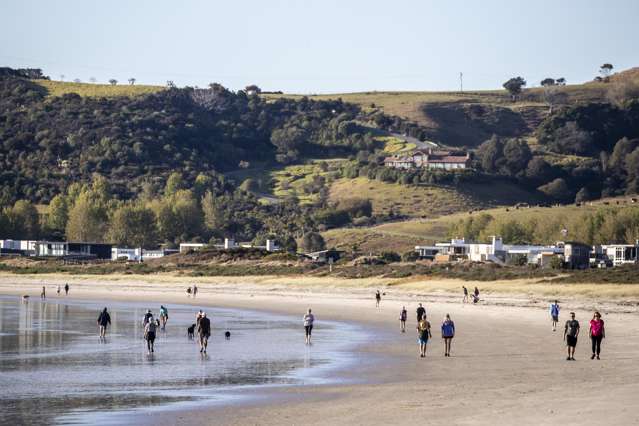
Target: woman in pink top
point(597, 334)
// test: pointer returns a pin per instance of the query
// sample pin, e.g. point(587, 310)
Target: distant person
point(194, 290)
point(148, 316)
point(43, 295)
point(309, 319)
point(423, 333)
point(448, 332)
point(104, 319)
point(420, 312)
point(66, 289)
point(571, 332)
point(149, 334)
point(198, 317)
point(204, 332)
point(164, 317)
point(597, 334)
point(378, 298)
point(476, 293)
point(554, 314)
point(188, 292)
point(465, 294)
point(58, 290)
point(403, 314)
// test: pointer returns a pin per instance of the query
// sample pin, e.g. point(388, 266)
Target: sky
point(321, 46)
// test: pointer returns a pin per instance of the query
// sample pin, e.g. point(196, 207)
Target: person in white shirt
point(308, 325)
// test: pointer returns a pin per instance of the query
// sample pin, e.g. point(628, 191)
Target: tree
point(58, 213)
point(605, 70)
point(514, 86)
point(312, 241)
point(132, 81)
point(252, 89)
point(23, 220)
point(133, 226)
point(583, 195)
point(173, 183)
point(113, 82)
point(87, 219)
point(490, 154)
point(538, 170)
point(557, 189)
point(551, 94)
point(561, 81)
point(517, 155)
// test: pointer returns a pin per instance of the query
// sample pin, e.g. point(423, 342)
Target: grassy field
point(59, 88)
point(416, 201)
point(394, 145)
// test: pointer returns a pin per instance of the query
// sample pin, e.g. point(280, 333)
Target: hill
point(618, 220)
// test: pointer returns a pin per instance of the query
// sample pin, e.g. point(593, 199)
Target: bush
point(556, 263)
point(410, 256)
point(390, 257)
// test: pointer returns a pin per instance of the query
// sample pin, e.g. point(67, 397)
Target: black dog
point(227, 335)
point(190, 332)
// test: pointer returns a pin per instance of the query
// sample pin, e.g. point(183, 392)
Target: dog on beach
point(25, 298)
point(190, 332)
point(227, 335)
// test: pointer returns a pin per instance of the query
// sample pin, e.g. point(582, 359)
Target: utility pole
point(461, 81)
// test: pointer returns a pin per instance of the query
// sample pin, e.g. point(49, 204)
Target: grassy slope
point(59, 88)
point(404, 235)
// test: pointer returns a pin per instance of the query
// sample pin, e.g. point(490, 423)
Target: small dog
point(227, 335)
point(190, 332)
point(25, 298)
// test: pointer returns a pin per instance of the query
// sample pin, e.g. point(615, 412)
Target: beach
point(507, 365)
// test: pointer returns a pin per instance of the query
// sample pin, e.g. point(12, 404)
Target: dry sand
point(507, 366)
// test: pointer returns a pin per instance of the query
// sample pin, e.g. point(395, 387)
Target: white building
point(137, 254)
point(620, 254)
point(25, 246)
point(186, 247)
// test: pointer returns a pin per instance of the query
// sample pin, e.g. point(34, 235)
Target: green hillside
point(59, 88)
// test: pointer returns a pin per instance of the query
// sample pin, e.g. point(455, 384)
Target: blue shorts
point(423, 340)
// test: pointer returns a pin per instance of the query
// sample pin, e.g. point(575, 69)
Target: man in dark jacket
point(103, 321)
point(204, 331)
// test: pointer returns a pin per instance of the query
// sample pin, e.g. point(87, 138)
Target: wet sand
point(507, 366)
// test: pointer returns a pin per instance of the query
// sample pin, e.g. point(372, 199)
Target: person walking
point(309, 319)
point(104, 319)
point(571, 332)
point(403, 314)
point(423, 332)
point(378, 298)
point(43, 295)
point(148, 316)
point(554, 314)
point(149, 334)
point(597, 334)
point(194, 290)
point(448, 332)
point(465, 294)
point(164, 317)
point(420, 312)
point(476, 293)
point(66, 289)
point(204, 332)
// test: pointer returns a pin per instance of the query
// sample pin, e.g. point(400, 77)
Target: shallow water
point(55, 369)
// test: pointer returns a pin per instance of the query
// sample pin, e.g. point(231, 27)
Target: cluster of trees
point(605, 226)
point(205, 211)
point(49, 142)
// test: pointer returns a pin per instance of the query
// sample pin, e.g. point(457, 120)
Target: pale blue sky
point(321, 46)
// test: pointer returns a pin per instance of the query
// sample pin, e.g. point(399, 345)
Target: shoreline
point(505, 362)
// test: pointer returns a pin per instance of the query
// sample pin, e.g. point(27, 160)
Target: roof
point(449, 159)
